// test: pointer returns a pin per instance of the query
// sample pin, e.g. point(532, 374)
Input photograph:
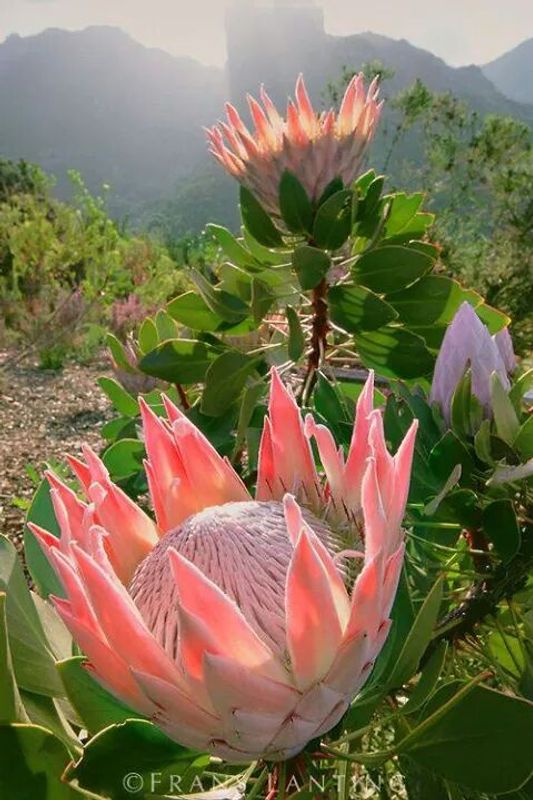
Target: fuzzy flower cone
point(468, 344)
point(242, 627)
point(316, 148)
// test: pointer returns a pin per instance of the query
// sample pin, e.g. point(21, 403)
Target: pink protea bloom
point(242, 627)
point(316, 148)
point(468, 344)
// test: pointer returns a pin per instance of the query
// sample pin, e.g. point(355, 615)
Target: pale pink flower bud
point(468, 344)
point(231, 621)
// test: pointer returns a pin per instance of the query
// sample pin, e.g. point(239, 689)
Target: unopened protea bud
point(316, 148)
point(468, 344)
point(133, 380)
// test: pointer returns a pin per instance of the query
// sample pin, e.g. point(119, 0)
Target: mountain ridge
point(508, 70)
point(100, 102)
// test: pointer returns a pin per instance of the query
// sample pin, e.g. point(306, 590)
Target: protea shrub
point(242, 626)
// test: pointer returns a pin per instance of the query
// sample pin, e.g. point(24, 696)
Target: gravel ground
point(44, 414)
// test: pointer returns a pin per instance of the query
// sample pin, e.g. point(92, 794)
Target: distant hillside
point(99, 102)
point(511, 73)
point(266, 45)
point(131, 116)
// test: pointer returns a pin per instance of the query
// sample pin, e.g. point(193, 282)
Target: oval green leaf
point(394, 353)
point(179, 361)
point(355, 308)
point(388, 269)
point(333, 221)
point(256, 220)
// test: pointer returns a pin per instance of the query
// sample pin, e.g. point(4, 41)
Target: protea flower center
point(244, 549)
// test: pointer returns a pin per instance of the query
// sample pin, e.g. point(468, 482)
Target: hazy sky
point(460, 31)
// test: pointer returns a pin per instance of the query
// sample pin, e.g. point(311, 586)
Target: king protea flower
point(468, 344)
point(316, 148)
point(242, 627)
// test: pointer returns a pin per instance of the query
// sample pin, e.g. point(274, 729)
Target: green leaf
point(329, 403)
point(333, 221)
point(466, 410)
point(334, 186)
point(523, 442)
point(310, 265)
point(227, 306)
point(47, 712)
point(191, 310)
point(433, 299)
point(123, 402)
point(296, 335)
point(394, 353)
point(428, 679)
point(265, 255)
point(355, 308)
point(505, 418)
point(135, 747)
point(363, 182)
point(33, 660)
point(388, 269)
point(508, 651)
point(416, 228)
point(235, 251)
point(406, 664)
point(403, 208)
point(165, 326)
point(403, 616)
point(494, 320)
point(431, 507)
point(482, 741)
point(118, 353)
point(124, 458)
point(448, 452)
point(224, 381)
point(520, 387)
point(118, 428)
point(261, 300)
point(96, 708)
point(32, 763)
point(294, 204)
point(257, 221)
point(369, 187)
point(179, 361)
point(502, 529)
point(57, 634)
point(251, 396)
point(482, 443)
point(462, 506)
point(147, 336)
point(41, 512)
point(11, 708)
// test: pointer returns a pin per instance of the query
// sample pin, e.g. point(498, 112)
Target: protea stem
point(319, 332)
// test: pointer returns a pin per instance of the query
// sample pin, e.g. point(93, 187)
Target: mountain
point(99, 102)
point(509, 73)
point(273, 45)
